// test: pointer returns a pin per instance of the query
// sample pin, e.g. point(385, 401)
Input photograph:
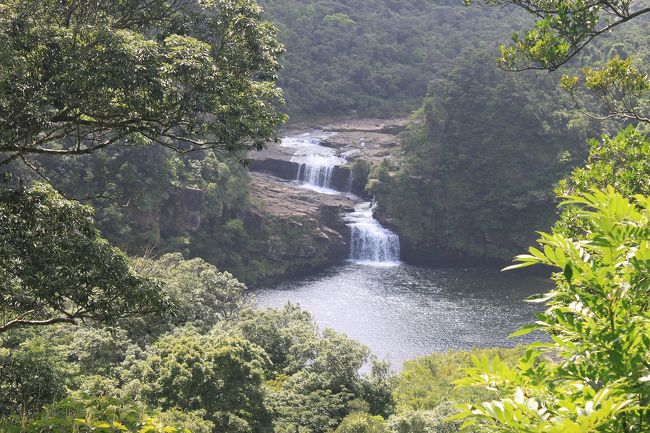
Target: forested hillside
point(376, 57)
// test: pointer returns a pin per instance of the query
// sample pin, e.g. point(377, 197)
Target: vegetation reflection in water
point(405, 311)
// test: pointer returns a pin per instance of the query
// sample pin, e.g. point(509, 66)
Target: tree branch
point(24, 322)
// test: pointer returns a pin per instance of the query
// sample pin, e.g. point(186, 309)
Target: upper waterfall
point(316, 162)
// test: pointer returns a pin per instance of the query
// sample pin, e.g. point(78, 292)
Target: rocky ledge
point(370, 140)
point(298, 230)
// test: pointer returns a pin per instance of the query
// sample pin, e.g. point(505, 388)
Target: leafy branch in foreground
point(619, 88)
point(56, 268)
point(562, 29)
point(76, 77)
point(594, 374)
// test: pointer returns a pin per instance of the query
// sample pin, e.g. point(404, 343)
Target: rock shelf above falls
point(368, 139)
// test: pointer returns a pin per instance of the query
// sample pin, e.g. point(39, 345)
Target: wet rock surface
point(301, 230)
point(285, 200)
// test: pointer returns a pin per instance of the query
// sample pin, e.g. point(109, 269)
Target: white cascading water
point(370, 242)
point(317, 171)
point(316, 162)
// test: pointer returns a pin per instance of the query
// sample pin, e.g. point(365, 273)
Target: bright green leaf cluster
point(591, 376)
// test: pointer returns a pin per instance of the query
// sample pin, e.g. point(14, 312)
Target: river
point(405, 311)
point(400, 311)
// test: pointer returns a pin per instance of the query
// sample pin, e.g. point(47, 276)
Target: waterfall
point(316, 162)
point(317, 172)
point(370, 242)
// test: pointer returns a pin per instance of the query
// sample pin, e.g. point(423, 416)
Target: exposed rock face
point(300, 230)
point(282, 168)
point(191, 199)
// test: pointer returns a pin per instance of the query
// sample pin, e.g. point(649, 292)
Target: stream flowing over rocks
point(399, 310)
point(369, 241)
point(319, 160)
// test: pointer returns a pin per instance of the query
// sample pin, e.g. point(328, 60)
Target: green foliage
point(33, 374)
point(426, 382)
point(317, 411)
point(359, 170)
point(619, 88)
point(597, 320)
point(202, 295)
point(55, 267)
point(362, 423)
point(76, 79)
point(620, 161)
point(94, 351)
point(378, 387)
point(327, 385)
point(372, 58)
point(81, 413)
point(562, 29)
point(288, 336)
point(479, 163)
point(426, 421)
point(216, 373)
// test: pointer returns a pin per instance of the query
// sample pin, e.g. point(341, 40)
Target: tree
point(435, 420)
point(84, 413)
point(217, 373)
point(598, 325)
point(288, 336)
point(79, 76)
point(33, 374)
point(202, 295)
point(56, 268)
point(621, 161)
point(362, 423)
point(563, 28)
point(618, 87)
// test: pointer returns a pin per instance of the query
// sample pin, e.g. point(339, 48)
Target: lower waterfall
point(370, 242)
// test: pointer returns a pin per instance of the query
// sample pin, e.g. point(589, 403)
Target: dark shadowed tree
point(56, 268)
point(77, 76)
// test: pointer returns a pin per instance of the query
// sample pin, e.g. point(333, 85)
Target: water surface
point(405, 311)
